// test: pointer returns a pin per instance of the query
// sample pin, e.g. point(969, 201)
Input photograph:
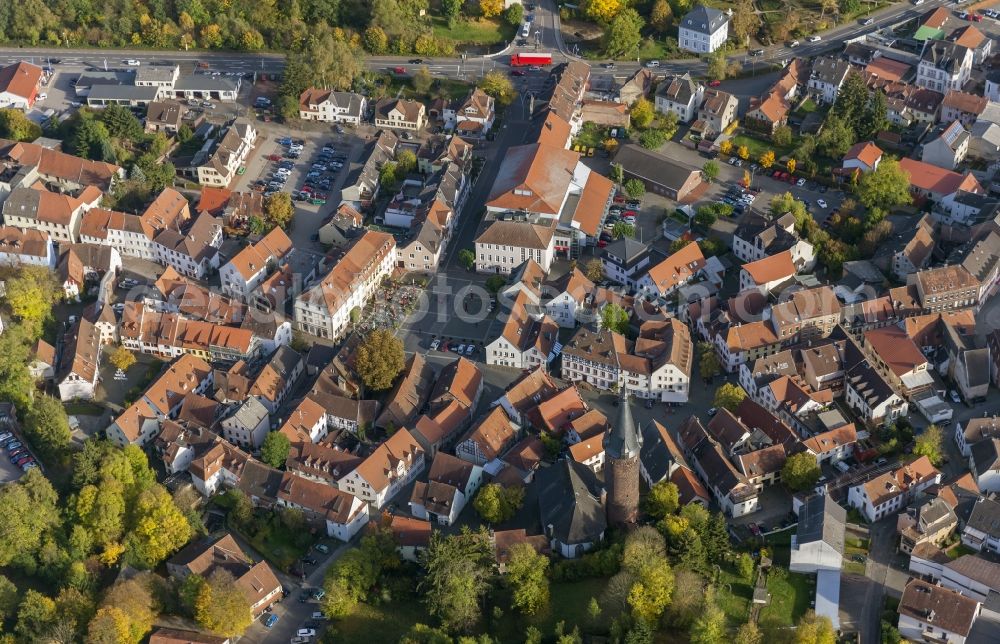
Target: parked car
point(821, 203)
point(814, 38)
point(306, 632)
point(469, 350)
point(5, 436)
point(867, 21)
point(435, 344)
point(955, 398)
point(270, 620)
point(714, 83)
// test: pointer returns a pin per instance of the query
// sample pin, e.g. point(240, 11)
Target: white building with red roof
point(19, 85)
point(864, 156)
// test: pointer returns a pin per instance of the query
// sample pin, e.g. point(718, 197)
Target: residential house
point(947, 146)
point(392, 466)
point(636, 86)
point(758, 237)
point(248, 425)
point(863, 157)
point(680, 95)
point(77, 374)
point(984, 463)
point(928, 612)
point(717, 112)
point(473, 118)
point(826, 78)
point(493, 435)
point(20, 83)
point(673, 272)
point(177, 636)
point(340, 515)
point(361, 186)
point(325, 308)
point(870, 396)
point(570, 293)
point(889, 493)
point(944, 66)
point(217, 163)
point(975, 430)
point(42, 361)
point(506, 244)
point(277, 378)
point(659, 174)
point(203, 558)
point(703, 30)
point(963, 107)
point(526, 340)
point(26, 248)
point(400, 114)
point(332, 107)
point(55, 214)
point(928, 521)
point(246, 271)
point(451, 483)
point(744, 343)
point(768, 274)
point(946, 288)
point(625, 261)
point(982, 528)
point(410, 395)
point(940, 186)
point(165, 116)
point(916, 251)
point(972, 38)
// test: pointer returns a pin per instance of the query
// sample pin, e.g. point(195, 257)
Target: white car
point(43, 96)
point(814, 39)
point(306, 632)
point(954, 396)
point(800, 182)
point(821, 203)
point(794, 43)
point(132, 62)
point(867, 21)
point(652, 63)
point(435, 345)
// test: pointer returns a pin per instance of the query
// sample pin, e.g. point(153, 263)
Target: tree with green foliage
point(744, 22)
point(663, 499)
point(494, 283)
point(729, 396)
point(422, 79)
point(717, 65)
point(527, 579)
point(617, 173)
point(836, 138)
point(653, 138)
point(815, 629)
point(635, 188)
point(782, 136)
point(614, 318)
point(514, 14)
point(388, 175)
point(745, 566)
point(121, 123)
point(16, 126)
point(496, 503)
point(622, 229)
point(279, 210)
point(874, 119)
point(594, 271)
point(710, 171)
point(31, 293)
point(221, 606)
point(29, 508)
point(406, 160)
point(157, 530)
point(624, 35)
point(467, 258)
point(458, 571)
point(275, 449)
point(127, 611)
point(929, 444)
point(90, 140)
point(355, 575)
point(708, 361)
point(749, 633)
point(499, 86)
point(710, 627)
point(8, 598)
point(660, 16)
point(885, 187)
point(376, 41)
point(47, 427)
point(334, 63)
point(800, 472)
point(642, 113)
point(379, 359)
point(122, 358)
point(36, 615)
point(888, 634)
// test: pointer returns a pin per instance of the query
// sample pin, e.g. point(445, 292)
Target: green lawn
point(790, 597)
point(390, 621)
point(473, 32)
point(83, 408)
point(808, 106)
point(960, 549)
point(591, 135)
point(734, 595)
point(780, 544)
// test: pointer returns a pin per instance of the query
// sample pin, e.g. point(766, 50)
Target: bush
point(600, 563)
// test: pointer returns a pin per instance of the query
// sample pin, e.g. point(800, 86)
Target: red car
point(601, 243)
point(630, 213)
point(274, 157)
point(620, 199)
point(715, 83)
point(791, 178)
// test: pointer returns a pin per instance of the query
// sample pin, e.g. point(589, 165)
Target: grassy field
point(473, 32)
point(757, 147)
point(855, 548)
point(390, 621)
point(591, 135)
point(83, 408)
point(734, 596)
point(790, 597)
point(958, 550)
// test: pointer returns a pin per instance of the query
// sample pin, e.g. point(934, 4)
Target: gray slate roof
point(985, 517)
point(623, 440)
point(704, 20)
point(569, 500)
point(822, 519)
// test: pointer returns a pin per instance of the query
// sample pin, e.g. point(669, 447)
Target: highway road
point(545, 37)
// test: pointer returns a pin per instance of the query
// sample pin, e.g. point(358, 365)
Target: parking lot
point(16, 456)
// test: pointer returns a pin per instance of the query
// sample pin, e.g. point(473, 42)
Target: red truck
point(526, 60)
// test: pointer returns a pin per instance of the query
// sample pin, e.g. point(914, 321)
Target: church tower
point(621, 452)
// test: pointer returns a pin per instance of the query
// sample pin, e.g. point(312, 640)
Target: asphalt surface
point(546, 34)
